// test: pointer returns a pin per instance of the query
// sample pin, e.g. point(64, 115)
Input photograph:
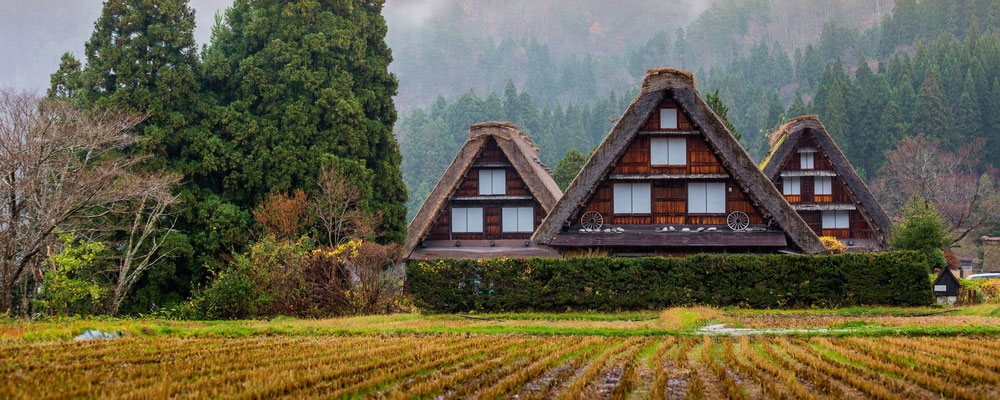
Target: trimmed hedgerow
point(615, 284)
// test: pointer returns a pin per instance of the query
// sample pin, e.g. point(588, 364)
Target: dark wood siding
point(492, 209)
point(683, 122)
point(859, 227)
point(669, 196)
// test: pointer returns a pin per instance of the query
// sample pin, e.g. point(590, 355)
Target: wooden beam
point(669, 133)
point(825, 207)
point(808, 172)
point(619, 177)
point(491, 198)
point(431, 253)
point(670, 239)
point(492, 165)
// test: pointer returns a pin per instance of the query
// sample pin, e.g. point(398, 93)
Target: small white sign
point(940, 288)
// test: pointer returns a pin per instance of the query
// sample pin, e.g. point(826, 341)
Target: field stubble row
point(504, 366)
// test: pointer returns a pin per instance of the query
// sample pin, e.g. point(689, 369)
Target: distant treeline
point(922, 69)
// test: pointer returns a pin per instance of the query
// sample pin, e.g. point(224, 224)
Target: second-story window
point(492, 181)
point(706, 198)
point(632, 198)
point(824, 185)
point(791, 185)
point(668, 151)
point(467, 220)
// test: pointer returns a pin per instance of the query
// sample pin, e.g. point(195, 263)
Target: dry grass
point(497, 366)
point(682, 318)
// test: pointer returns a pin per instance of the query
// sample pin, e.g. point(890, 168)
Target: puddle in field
point(721, 329)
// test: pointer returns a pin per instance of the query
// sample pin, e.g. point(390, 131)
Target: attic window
point(668, 151)
point(492, 181)
point(824, 185)
point(807, 160)
point(791, 185)
point(466, 220)
point(836, 219)
point(668, 118)
point(632, 198)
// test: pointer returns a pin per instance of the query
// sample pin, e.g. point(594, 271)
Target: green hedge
point(615, 284)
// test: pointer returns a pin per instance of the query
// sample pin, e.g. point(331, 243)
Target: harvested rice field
point(446, 366)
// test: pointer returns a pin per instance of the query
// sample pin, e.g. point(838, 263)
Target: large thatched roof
point(518, 149)
point(783, 146)
point(681, 85)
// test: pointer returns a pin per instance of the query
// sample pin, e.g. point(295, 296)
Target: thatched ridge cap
point(492, 124)
point(800, 122)
point(674, 71)
point(667, 78)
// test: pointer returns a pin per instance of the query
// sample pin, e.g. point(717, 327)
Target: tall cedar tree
point(568, 167)
point(720, 108)
point(142, 58)
point(930, 116)
point(303, 84)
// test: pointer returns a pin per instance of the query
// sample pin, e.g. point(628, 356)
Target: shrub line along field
point(504, 366)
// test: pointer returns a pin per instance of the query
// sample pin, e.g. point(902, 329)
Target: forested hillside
point(874, 71)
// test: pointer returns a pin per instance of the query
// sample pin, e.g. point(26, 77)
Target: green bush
point(921, 229)
point(615, 284)
point(230, 296)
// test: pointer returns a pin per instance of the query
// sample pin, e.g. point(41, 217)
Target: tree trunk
point(8, 298)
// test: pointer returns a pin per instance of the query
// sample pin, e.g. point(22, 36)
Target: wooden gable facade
point(815, 177)
point(669, 184)
point(488, 203)
point(670, 178)
point(515, 195)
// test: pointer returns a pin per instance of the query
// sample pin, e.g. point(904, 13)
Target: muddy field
point(444, 366)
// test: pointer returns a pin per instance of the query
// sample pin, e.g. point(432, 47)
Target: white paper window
point(807, 160)
point(632, 198)
point(492, 181)
point(836, 219)
point(668, 118)
point(791, 185)
point(668, 151)
point(824, 185)
point(465, 220)
point(518, 219)
point(706, 198)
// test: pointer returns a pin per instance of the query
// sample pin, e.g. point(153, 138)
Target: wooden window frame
point(631, 185)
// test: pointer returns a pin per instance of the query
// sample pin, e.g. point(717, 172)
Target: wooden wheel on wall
point(592, 220)
point(738, 220)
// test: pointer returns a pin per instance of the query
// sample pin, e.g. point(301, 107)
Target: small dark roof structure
point(946, 284)
point(657, 84)
point(522, 155)
point(783, 145)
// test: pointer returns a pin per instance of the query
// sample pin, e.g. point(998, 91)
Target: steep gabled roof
point(655, 86)
point(518, 149)
point(783, 143)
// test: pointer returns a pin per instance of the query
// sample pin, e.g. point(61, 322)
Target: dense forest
point(273, 140)
point(875, 72)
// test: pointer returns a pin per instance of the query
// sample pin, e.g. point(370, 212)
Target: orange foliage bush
point(283, 215)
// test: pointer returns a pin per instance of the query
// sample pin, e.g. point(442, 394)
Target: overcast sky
point(35, 33)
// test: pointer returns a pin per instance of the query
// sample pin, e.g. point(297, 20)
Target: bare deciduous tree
point(142, 247)
point(62, 168)
point(961, 187)
point(336, 205)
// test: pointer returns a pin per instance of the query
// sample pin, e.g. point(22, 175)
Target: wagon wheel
point(592, 220)
point(738, 220)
